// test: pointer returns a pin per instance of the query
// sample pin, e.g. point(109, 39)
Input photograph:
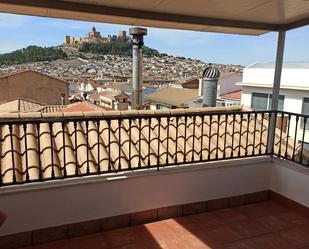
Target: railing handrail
point(121, 141)
point(122, 115)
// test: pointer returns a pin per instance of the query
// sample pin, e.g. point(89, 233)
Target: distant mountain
point(114, 47)
point(32, 54)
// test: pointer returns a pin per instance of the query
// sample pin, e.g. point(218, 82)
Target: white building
point(257, 87)
point(258, 82)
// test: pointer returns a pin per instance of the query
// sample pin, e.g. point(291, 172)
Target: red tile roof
point(84, 107)
point(32, 71)
point(232, 95)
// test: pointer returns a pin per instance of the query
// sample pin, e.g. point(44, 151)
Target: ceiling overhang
point(145, 14)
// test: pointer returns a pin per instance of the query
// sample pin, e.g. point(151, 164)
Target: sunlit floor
point(265, 225)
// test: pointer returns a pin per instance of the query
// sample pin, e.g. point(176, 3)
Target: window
point(259, 101)
point(122, 100)
point(305, 110)
point(262, 101)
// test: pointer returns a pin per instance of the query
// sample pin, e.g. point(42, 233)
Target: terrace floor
point(265, 225)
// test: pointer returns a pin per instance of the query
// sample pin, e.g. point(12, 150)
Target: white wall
point(291, 77)
point(55, 203)
point(293, 101)
point(39, 205)
point(290, 180)
point(153, 106)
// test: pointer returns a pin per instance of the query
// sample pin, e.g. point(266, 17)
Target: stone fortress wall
point(92, 36)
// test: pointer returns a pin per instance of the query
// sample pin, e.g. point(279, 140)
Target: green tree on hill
point(114, 47)
point(32, 54)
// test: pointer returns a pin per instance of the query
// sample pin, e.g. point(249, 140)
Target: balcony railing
point(41, 149)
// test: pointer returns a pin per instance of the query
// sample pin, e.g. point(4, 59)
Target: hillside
point(32, 54)
point(37, 54)
point(115, 47)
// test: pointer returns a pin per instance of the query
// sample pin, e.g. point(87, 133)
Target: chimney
point(200, 87)
point(210, 83)
point(137, 74)
point(62, 99)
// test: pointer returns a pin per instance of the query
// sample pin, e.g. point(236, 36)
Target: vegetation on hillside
point(114, 47)
point(36, 53)
point(32, 54)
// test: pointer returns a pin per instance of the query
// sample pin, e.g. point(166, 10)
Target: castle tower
point(67, 40)
point(122, 35)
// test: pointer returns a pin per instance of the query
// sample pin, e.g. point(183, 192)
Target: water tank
point(210, 84)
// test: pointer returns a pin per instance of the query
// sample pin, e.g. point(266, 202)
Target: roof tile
point(82, 145)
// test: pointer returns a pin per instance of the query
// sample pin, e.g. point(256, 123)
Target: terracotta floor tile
point(261, 209)
point(267, 225)
point(270, 241)
point(248, 228)
point(191, 241)
point(141, 235)
point(229, 215)
point(243, 244)
point(293, 218)
point(272, 223)
point(217, 235)
point(160, 230)
point(305, 228)
point(200, 221)
point(187, 219)
point(272, 206)
point(296, 237)
point(93, 241)
point(178, 228)
point(118, 237)
point(137, 246)
point(59, 244)
point(164, 235)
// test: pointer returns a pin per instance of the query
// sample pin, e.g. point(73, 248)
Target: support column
point(137, 72)
point(276, 90)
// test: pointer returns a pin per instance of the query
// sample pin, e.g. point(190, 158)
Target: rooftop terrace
point(181, 162)
point(241, 176)
point(270, 224)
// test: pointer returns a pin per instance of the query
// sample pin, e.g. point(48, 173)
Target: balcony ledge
point(36, 206)
point(125, 175)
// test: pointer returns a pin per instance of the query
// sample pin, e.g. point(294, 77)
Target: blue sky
point(18, 31)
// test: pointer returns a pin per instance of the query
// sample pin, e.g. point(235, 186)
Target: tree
point(32, 54)
point(114, 47)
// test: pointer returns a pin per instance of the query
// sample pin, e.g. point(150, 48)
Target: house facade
point(112, 100)
point(171, 98)
point(294, 92)
point(33, 85)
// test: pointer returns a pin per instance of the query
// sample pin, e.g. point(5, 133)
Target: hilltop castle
point(93, 36)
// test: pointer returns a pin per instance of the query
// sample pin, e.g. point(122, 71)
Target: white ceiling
point(252, 17)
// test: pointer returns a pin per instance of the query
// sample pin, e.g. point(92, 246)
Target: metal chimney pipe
point(62, 99)
point(137, 74)
point(210, 85)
